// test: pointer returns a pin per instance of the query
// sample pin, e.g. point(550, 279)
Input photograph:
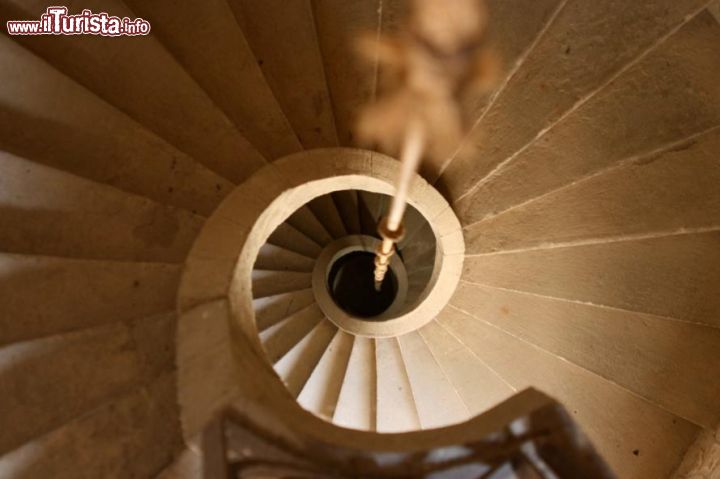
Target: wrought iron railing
point(529, 436)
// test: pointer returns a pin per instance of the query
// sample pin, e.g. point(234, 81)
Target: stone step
point(512, 38)
point(436, 399)
point(283, 336)
point(141, 78)
point(396, 410)
point(479, 386)
point(53, 381)
point(565, 68)
point(298, 364)
point(357, 404)
point(289, 238)
point(351, 81)
point(42, 296)
point(672, 276)
point(664, 193)
point(636, 438)
point(220, 60)
point(322, 390)
point(346, 202)
point(670, 93)
point(271, 283)
point(327, 213)
point(292, 64)
point(49, 212)
point(141, 425)
point(307, 223)
point(371, 206)
point(70, 128)
point(417, 228)
point(672, 364)
point(270, 310)
point(275, 258)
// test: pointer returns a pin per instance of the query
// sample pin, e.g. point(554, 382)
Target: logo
point(56, 21)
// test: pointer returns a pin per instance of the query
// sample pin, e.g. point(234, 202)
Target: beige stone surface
point(330, 163)
point(281, 337)
point(357, 403)
point(477, 384)
point(41, 296)
point(667, 96)
point(674, 276)
point(275, 258)
point(416, 227)
point(298, 364)
point(135, 435)
point(291, 239)
point(283, 37)
point(436, 399)
point(305, 221)
point(702, 460)
point(203, 280)
point(270, 310)
point(511, 37)
point(141, 78)
point(327, 213)
point(218, 57)
point(351, 80)
point(396, 410)
point(672, 364)
point(271, 283)
point(637, 439)
point(48, 212)
point(375, 206)
point(46, 382)
point(391, 17)
point(51, 119)
point(582, 50)
point(371, 207)
point(668, 192)
point(188, 465)
point(207, 374)
point(321, 391)
point(346, 202)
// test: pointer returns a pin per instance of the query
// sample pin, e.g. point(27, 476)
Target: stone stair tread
point(71, 129)
point(220, 59)
point(430, 386)
point(283, 336)
point(276, 258)
point(291, 239)
point(479, 386)
point(270, 310)
point(321, 391)
point(396, 409)
point(615, 420)
point(327, 213)
point(307, 223)
point(357, 404)
point(297, 365)
point(346, 202)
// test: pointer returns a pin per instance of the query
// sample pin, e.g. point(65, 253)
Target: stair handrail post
point(391, 228)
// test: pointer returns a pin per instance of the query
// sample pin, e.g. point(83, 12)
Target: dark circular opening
point(352, 286)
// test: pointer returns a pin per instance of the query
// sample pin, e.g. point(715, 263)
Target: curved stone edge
point(217, 341)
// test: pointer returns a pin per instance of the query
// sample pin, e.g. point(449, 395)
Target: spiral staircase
point(166, 202)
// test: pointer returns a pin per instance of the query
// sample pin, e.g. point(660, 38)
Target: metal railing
point(529, 436)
